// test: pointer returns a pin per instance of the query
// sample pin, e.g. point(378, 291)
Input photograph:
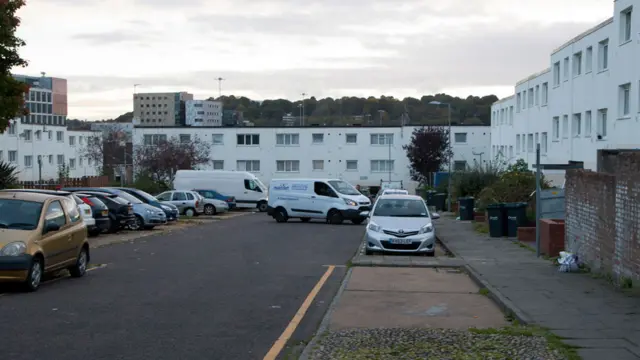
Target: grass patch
point(554, 341)
point(481, 227)
point(483, 292)
point(525, 246)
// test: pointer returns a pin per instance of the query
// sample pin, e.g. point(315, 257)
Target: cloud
point(111, 37)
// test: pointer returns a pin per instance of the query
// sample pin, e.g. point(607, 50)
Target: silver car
point(402, 224)
point(189, 203)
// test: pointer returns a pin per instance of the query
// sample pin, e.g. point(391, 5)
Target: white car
point(214, 206)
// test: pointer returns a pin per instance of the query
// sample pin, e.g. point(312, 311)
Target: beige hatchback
point(39, 234)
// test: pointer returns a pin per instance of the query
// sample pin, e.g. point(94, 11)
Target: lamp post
point(303, 95)
point(438, 103)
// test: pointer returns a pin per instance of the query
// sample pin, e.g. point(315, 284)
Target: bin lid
point(516, 205)
point(495, 206)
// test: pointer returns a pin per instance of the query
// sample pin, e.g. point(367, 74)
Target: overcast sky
point(282, 48)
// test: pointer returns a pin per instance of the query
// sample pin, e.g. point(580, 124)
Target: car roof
point(93, 193)
point(28, 196)
point(401, 197)
point(319, 179)
point(39, 191)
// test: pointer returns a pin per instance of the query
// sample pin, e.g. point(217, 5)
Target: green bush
point(147, 184)
point(473, 181)
point(8, 175)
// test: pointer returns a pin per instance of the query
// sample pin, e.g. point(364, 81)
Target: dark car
point(120, 210)
point(212, 194)
point(170, 210)
point(100, 213)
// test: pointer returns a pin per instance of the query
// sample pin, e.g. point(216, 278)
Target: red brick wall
point(603, 217)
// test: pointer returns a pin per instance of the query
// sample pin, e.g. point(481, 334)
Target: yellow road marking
point(297, 318)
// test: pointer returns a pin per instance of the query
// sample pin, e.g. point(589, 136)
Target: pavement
point(589, 313)
point(243, 288)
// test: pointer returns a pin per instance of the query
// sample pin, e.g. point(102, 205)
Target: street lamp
point(438, 103)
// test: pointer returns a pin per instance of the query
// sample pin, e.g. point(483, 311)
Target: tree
point(108, 148)
point(161, 161)
point(11, 90)
point(8, 175)
point(63, 173)
point(427, 152)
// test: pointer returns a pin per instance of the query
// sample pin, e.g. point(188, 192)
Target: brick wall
point(603, 216)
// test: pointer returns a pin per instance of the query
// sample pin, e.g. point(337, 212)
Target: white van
point(248, 190)
point(332, 200)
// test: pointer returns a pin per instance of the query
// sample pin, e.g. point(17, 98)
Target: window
point(12, 129)
point(51, 160)
point(323, 189)
point(545, 94)
point(524, 142)
point(251, 185)
point(588, 66)
point(537, 100)
point(587, 123)
point(603, 55)
point(625, 100)
point(217, 139)
point(556, 128)
point(531, 95)
point(60, 159)
point(13, 156)
point(351, 138)
point(248, 139)
point(565, 126)
point(317, 138)
point(518, 144)
point(28, 161)
point(185, 138)
point(524, 99)
point(80, 162)
point(625, 26)
point(287, 139)
point(59, 136)
point(556, 74)
point(576, 126)
point(154, 139)
point(530, 143)
point(27, 135)
point(318, 165)
point(218, 164)
point(381, 139)
point(460, 138)
point(381, 165)
point(537, 140)
point(352, 165)
point(72, 163)
point(565, 69)
point(248, 165)
point(288, 165)
point(543, 143)
point(72, 210)
point(577, 63)
point(179, 196)
point(518, 102)
point(460, 165)
point(72, 140)
point(38, 135)
point(511, 115)
point(602, 124)
point(55, 215)
point(165, 196)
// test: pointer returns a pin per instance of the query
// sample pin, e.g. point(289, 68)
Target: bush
point(8, 175)
point(473, 181)
point(147, 184)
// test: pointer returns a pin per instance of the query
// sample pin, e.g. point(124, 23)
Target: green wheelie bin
point(465, 208)
point(497, 221)
point(516, 217)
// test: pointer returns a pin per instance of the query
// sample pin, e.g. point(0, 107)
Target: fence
point(603, 217)
point(85, 181)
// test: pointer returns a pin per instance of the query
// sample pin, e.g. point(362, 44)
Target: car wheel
point(209, 209)
point(94, 232)
point(368, 252)
point(34, 278)
point(262, 206)
point(430, 254)
point(190, 212)
point(137, 224)
point(82, 262)
point(281, 215)
point(114, 226)
point(334, 217)
point(357, 221)
point(305, 219)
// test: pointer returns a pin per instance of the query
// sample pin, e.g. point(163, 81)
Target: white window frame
point(248, 165)
point(381, 139)
point(603, 118)
point(28, 135)
point(72, 140)
point(60, 159)
point(248, 140)
point(624, 100)
point(317, 136)
point(12, 156)
point(565, 69)
point(530, 147)
point(288, 166)
point(351, 162)
point(603, 55)
point(517, 143)
point(72, 163)
point(59, 136)
point(555, 127)
point(577, 64)
point(556, 74)
point(353, 136)
point(589, 60)
point(455, 137)
point(543, 143)
point(576, 125)
point(565, 126)
point(217, 139)
point(545, 94)
point(28, 161)
point(531, 97)
point(382, 166)
point(317, 165)
point(587, 123)
point(217, 164)
point(287, 139)
point(626, 21)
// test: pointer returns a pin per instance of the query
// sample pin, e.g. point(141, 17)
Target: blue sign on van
point(283, 187)
point(299, 187)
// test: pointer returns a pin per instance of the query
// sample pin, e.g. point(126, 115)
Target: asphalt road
point(225, 290)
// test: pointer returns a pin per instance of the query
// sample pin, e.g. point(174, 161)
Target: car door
point(323, 199)
point(55, 244)
point(77, 231)
point(179, 199)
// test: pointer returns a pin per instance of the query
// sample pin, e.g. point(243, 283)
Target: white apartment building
point(360, 155)
point(26, 144)
point(203, 113)
point(588, 98)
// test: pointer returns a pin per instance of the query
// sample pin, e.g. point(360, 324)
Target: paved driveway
point(225, 290)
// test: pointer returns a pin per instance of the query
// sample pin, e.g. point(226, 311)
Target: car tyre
point(281, 215)
point(34, 278)
point(79, 269)
point(137, 224)
point(368, 251)
point(357, 221)
point(305, 219)
point(262, 206)
point(94, 232)
point(430, 254)
point(209, 209)
point(335, 217)
point(190, 212)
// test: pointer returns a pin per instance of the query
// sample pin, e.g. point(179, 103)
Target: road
point(225, 290)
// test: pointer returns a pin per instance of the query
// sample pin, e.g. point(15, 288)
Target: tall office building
point(46, 100)
point(203, 113)
point(160, 109)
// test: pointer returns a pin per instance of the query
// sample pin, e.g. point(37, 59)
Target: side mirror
point(364, 214)
point(49, 227)
point(435, 216)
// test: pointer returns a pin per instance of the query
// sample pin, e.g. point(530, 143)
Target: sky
point(268, 49)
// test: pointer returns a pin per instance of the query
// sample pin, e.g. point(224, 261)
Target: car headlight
point(374, 227)
point(149, 211)
point(426, 229)
point(350, 202)
point(13, 249)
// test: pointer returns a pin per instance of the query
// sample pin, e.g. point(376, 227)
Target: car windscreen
point(145, 195)
point(401, 208)
point(19, 214)
point(130, 198)
point(344, 187)
point(119, 200)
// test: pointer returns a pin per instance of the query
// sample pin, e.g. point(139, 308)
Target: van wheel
point(34, 278)
point(190, 212)
point(262, 206)
point(305, 219)
point(335, 217)
point(209, 209)
point(281, 215)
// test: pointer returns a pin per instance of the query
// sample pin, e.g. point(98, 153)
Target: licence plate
point(400, 241)
point(87, 211)
point(105, 212)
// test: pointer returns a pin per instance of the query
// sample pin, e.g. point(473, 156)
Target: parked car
point(147, 216)
point(188, 202)
point(84, 209)
point(212, 194)
point(402, 224)
point(121, 213)
point(100, 213)
point(40, 234)
point(170, 210)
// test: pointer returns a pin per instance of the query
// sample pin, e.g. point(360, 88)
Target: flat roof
point(302, 127)
point(503, 99)
point(533, 76)
point(584, 34)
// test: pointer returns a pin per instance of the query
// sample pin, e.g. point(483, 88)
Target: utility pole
point(300, 107)
point(220, 80)
point(303, 95)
